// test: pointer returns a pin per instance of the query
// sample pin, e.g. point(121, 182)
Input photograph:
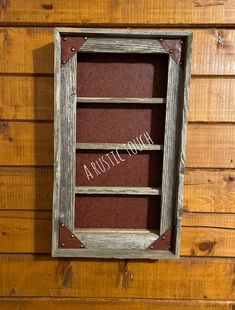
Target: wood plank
point(27, 50)
point(26, 98)
point(31, 98)
point(25, 232)
point(31, 189)
point(150, 13)
point(180, 279)
point(212, 100)
point(121, 100)
point(198, 241)
point(120, 45)
point(114, 254)
point(116, 244)
point(174, 146)
point(30, 50)
point(26, 188)
point(119, 146)
point(64, 142)
point(209, 191)
point(30, 232)
point(209, 220)
point(210, 146)
point(111, 303)
point(117, 190)
point(26, 143)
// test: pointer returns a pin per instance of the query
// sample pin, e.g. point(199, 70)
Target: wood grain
point(210, 146)
point(121, 100)
point(26, 98)
point(26, 50)
point(31, 98)
point(26, 188)
point(25, 232)
point(198, 241)
point(111, 303)
point(31, 189)
point(118, 45)
point(180, 279)
point(26, 143)
point(119, 13)
point(209, 220)
point(30, 232)
point(209, 191)
point(117, 190)
point(30, 50)
point(212, 100)
point(30, 144)
point(119, 146)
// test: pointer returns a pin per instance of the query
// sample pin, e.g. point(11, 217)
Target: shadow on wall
point(43, 59)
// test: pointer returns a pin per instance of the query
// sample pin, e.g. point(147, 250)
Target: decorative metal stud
point(73, 49)
point(161, 40)
point(62, 224)
point(62, 244)
point(163, 237)
point(63, 62)
point(181, 42)
point(81, 246)
point(151, 247)
point(72, 236)
point(85, 38)
point(170, 51)
point(64, 39)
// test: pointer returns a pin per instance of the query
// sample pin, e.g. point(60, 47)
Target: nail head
point(64, 39)
point(81, 246)
point(72, 236)
point(163, 237)
point(72, 49)
point(170, 51)
point(62, 244)
point(62, 224)
point(85, 38)
point(63, 62)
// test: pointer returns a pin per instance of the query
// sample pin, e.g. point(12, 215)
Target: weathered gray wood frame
point(119, 243)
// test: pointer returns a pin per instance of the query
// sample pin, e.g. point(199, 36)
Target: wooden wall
point(29, 278)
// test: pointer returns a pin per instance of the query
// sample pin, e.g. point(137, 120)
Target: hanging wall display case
point(121, 101)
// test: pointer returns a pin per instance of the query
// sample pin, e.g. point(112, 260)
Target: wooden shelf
point(120, 146)
point(121, 100)
point(117, 190)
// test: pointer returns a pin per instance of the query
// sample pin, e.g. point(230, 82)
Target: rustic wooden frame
point(119, 243)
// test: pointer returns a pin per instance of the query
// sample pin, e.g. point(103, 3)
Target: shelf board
point(120, 146)
point(117, 190)
point(121, 100)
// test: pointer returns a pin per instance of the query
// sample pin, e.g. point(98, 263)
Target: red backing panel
point(113, 123)
point(119, 75)
point(117, 212)
point(122, 75)
point(143, 169)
